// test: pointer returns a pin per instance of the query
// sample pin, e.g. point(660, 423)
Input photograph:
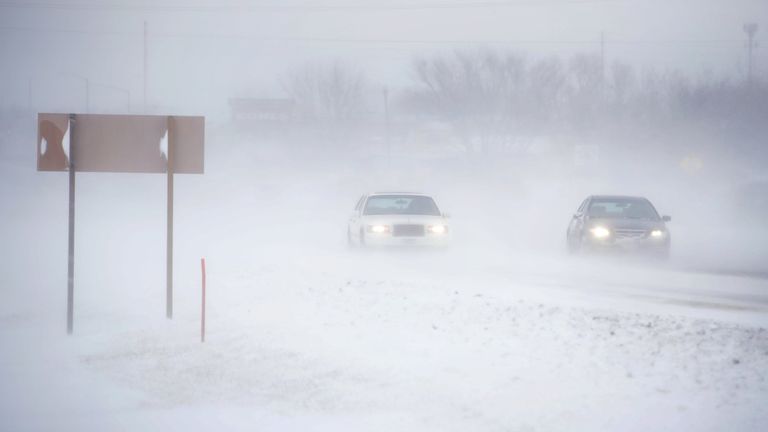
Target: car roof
point(618, 197)
point(397, 193)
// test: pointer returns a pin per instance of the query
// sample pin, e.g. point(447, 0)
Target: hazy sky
point(201, 52)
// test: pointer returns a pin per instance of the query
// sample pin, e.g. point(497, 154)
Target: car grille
point(629, 233)
point(408, 231)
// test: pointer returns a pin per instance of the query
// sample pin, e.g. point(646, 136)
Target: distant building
point(262, 112)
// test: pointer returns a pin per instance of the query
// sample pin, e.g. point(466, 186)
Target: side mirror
point(576, 215)
point(446, 215)
point(666, 218)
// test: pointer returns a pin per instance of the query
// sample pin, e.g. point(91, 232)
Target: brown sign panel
point(122, 143)
point(187, 135)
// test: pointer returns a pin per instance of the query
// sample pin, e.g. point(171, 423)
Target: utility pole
point(386, 126)
point(87, 95)
point(601, 90)
point(145, 67)
point(750, 29)
point(602, 57)
point(602, 66)
point(29, 101)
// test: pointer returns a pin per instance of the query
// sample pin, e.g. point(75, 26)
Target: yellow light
point(657, 233)
point(600, 232)
point(437, 229)
point(379, 229)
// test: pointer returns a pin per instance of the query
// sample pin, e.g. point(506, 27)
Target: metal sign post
point(202, 314)
point(169, 227)
point(120, 143)
point(71, 248)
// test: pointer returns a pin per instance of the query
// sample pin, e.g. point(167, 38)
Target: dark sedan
point(618, 223)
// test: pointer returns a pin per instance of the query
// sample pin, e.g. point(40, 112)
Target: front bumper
point(388, 240)
point(646, 245)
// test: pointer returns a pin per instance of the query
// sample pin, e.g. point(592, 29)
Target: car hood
point(636, 224)
point(403, 219)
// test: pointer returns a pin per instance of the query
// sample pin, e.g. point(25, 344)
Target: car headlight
point(378, 229)
point(437, 229)
point(600, 232)
point(657, 233)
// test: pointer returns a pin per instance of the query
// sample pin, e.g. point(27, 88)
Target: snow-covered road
point(406, 340)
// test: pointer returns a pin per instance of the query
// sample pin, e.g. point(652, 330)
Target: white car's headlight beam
point(657, 233)
point(600, 232)
point(437, 229)
point(378, 229)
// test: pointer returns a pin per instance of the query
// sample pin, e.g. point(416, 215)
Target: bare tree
point(478, 91)
point(585, 72)
point(547, 86)
point(622, 79)
point(327, 93)
point(488, 95)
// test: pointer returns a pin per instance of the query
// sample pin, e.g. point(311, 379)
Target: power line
point(67, 31)
point(244, 7)
point(379, 41)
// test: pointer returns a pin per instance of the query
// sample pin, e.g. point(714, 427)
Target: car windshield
point(622, 208)
point(401, 205)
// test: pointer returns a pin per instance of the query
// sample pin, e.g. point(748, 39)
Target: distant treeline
point(486, 97)
point(485, 94)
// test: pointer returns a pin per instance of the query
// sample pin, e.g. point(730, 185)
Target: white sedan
point(397, 219)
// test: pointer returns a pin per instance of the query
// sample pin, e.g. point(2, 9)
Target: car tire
point(573, 247)
point(350, 242)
